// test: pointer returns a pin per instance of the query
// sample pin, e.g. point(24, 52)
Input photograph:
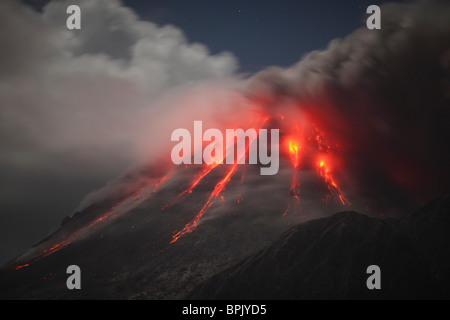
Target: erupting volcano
point(303, 149)
point(198, 158)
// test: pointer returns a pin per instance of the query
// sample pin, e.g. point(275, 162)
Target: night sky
point(260, 33)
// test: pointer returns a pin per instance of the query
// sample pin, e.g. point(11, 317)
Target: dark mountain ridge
point(327, 259)
point(237, 255)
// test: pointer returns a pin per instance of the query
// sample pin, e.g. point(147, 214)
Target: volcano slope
point(129, 254)
point(328, 258)
point(140, 244)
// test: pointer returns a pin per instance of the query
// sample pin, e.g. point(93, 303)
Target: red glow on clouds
point(303, 146)
point(305, 143)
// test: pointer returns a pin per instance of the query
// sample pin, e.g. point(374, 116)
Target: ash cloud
point(74, 104)
point(384, 96)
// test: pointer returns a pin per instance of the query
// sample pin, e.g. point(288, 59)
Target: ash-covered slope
point(127, 244)
point(328, 258)
point(129, 254)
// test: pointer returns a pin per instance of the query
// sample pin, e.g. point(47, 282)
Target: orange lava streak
point(189, 190)
point(294, 148)
point(325, 172)
point(220, 186)
point(22, 266)
point(123, 206)
point(203, 174)
point(130, 202)
point(208, 169)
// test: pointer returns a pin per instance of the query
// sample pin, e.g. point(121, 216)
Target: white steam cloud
point(76, 105)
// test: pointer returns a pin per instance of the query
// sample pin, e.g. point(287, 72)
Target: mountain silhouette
point(328, 258)
point(126, 245)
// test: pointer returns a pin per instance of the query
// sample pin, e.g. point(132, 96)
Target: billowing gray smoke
point(75, 105)
point(385, 96)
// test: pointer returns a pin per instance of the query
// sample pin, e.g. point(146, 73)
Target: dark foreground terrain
point(324, 258)
point(327, 259)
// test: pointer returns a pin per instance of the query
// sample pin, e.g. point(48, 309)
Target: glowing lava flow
point(206, 170)
point(199, 178)
point(220, 186)
point(305, 148)
point(304, 144)
point(325, 172)
point(120, 208)
point(22, 266)
point(294, 147)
